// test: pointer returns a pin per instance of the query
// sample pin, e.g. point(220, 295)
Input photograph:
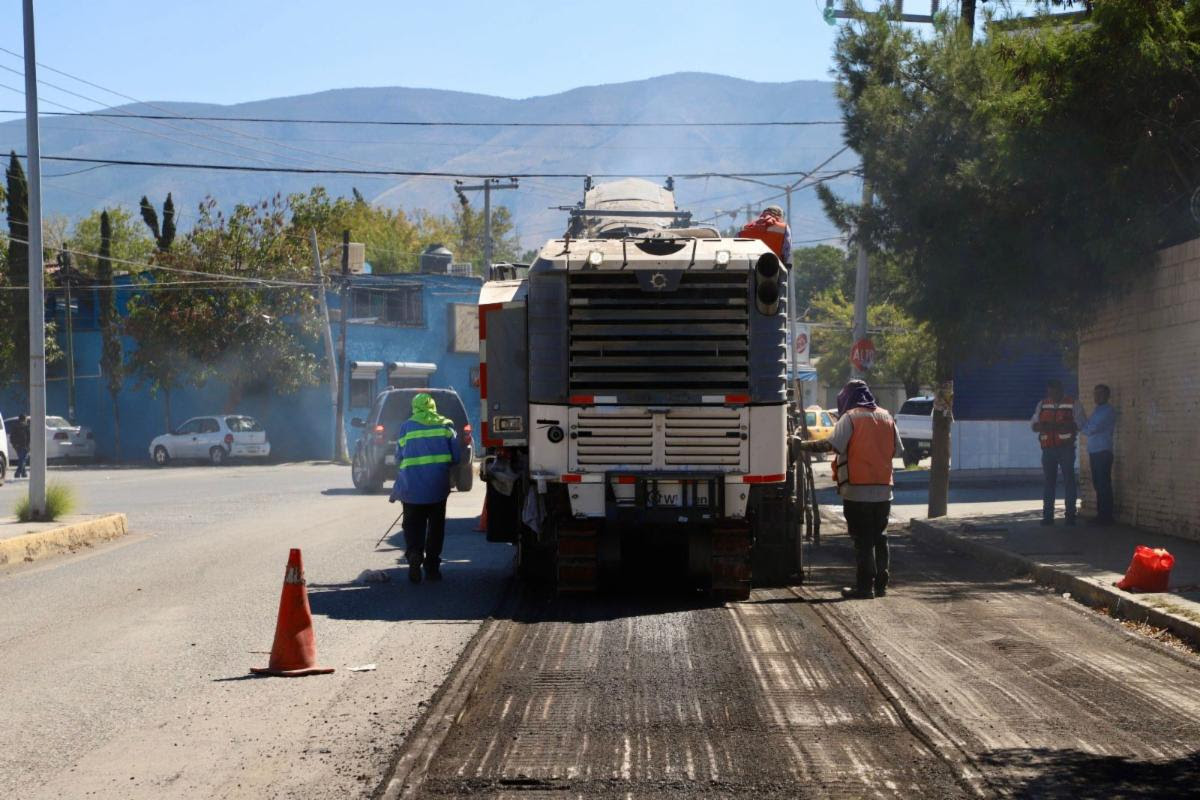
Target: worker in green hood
point(427, 450)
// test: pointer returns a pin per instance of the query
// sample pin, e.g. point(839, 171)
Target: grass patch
point(60, 501)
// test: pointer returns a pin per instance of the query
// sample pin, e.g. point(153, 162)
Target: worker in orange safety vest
point(1054, 422)
point(772, 229)
point(866, 441)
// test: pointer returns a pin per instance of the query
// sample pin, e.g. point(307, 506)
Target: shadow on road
point(1044, 773)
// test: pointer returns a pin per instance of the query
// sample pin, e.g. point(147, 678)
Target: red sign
point(862, 355)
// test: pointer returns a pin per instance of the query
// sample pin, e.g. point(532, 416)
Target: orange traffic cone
point(294, 652)
point(481, 526)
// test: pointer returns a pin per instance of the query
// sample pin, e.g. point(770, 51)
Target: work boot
point(881, 591)
point(433, 572)
point(414, 573)
point(850, 593)
point(1070, 522)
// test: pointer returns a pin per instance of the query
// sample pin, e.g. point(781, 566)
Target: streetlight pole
point(37, 296)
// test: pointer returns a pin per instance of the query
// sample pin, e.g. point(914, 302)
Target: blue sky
point(226, 52)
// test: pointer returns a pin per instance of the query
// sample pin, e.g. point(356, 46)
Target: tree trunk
point(943, 415)
point(116, 429)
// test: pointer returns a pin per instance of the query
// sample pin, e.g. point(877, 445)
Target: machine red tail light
point(229, 438)
point(467, 435)
point(379, 437)
point(61, 436)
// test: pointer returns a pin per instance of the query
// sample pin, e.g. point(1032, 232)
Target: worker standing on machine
point(772, 229)
point(866, 440)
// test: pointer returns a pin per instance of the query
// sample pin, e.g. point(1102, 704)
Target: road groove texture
point(653, 697)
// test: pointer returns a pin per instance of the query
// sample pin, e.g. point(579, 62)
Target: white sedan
point(215, 439)
point(63, 440)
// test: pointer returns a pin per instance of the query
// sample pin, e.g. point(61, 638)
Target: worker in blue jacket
point(427, 449)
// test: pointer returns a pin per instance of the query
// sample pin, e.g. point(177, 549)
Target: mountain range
point(74, 190)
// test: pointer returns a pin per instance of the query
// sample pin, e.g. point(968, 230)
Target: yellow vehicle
point(819, 421)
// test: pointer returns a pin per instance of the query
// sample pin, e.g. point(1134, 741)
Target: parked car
point(820, 422)
point(374, 459)
point(63, 440)
point(915, 422)
point(3, 452)
point(215, 439)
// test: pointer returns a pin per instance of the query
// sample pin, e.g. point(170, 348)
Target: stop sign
point(862, 355)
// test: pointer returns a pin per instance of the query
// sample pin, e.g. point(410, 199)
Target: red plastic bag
point(1149, 571)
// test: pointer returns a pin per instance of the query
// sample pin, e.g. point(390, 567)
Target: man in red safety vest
point(1054, 422)
point(866, 441)
point(772, 229)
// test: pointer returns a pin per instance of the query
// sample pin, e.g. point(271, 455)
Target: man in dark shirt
point(19, 436)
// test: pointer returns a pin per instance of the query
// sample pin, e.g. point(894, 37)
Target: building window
point(394, 306)
point(362, 392)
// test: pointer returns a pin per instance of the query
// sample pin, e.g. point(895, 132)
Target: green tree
point(164, 236)
point(14, 350)
point(130, 248)
point(253, 324)
point(112, 360)
point(817, 270)
point(1021, 179)
point(905, 347)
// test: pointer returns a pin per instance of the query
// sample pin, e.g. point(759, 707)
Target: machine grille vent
point(615, 439)
point(706, 438)
point(625, 338)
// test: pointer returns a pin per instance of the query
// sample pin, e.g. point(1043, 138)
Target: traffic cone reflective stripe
point(294, 652)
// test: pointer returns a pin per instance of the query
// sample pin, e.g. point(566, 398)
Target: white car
point(915, 422)
point(215, 439)
point(63, 440)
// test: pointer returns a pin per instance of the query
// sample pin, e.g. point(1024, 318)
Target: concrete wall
point(994, 445)
point(1146, 346)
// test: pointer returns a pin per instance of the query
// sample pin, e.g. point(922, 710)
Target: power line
point(167, 115)
point(405, 173)
point(448, 123)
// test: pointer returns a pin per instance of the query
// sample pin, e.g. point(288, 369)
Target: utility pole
point(488, 186)
point(319, 275)
point(339, 441)
point(37, 296)
point(862, 280)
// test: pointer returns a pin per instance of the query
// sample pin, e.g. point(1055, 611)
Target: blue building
point(411, 329)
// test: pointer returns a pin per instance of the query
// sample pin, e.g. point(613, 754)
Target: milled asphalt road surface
point(125, 667)
point(961, 682)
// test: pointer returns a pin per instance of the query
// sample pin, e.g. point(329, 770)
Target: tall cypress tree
point(168, 225)
point(16, 304)
point(112, 361)
point(164, 236)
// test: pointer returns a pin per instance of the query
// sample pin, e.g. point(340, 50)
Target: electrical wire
point(406, 173)
point(452, 124)
point(168, 114)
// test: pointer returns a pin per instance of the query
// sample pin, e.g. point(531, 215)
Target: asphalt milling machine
point(636, 411)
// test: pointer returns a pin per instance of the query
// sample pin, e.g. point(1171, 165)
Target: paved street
point(125, 667)
point(961, 682)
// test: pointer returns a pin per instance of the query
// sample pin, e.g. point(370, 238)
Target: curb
point(1091, 591)
point(43, 544)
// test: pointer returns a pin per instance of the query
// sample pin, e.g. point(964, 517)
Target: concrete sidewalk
point(1086, 561)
